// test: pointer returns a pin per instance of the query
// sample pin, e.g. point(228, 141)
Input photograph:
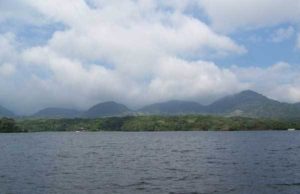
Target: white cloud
point(298, 41)
point(8, 47)
point(282, 34)
point(7, 69)
point(108, 54)
point(231, 15)
point(198, 80)
point(20, 11)
point(170, 78)
point(279, 81)
point(141, 54)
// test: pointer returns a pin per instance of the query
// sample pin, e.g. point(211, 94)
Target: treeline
point(8, 125)
point(157, 123)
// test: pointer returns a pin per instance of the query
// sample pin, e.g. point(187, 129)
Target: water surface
point(163, 162)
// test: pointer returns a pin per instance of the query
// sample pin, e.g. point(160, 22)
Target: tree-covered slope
point(158, 123)
point(252, 104)
point(106, 109)
point(173, 107)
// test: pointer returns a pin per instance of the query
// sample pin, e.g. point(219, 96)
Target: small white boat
point(291, 129)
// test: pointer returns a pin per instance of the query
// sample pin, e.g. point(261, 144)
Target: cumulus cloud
point(231, 15)
point(20, 12)
point(108, 54)
point(72, 83)
point(199, 80)
point(274, 81)
point(298, 41)
point(8, 45)
point(133, 52)
point(7, 69)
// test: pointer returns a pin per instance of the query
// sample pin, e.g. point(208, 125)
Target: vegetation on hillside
point(158, 123)
point(8, 126)
point(106, 109)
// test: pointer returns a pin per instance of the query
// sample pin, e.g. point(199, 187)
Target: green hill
point(107, 109)
point(251, 104)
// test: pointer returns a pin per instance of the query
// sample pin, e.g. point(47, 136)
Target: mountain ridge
point(246, 103)
point(252, 104)
point(173, 107)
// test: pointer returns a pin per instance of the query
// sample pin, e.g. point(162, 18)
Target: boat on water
point(291, 129)
point(82, 129)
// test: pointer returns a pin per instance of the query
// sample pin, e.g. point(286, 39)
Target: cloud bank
point(133, 52)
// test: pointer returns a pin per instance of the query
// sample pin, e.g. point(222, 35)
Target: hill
point(244, 104)
point(247, 103)
point(252, 104)
point(107, 109)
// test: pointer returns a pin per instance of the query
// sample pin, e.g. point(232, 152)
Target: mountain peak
point(253, 104)
point(53, 112)
point(249, 93)
point(243, 97)
point(108, 103)
point(109, 108)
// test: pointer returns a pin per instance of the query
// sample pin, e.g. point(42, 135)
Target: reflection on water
point(166, 162)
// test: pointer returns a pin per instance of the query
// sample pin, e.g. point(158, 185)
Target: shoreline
point(150, 124)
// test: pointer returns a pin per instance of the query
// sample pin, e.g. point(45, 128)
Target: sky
point(76, 53)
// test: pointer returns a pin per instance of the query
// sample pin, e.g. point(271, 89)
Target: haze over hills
point(57, 113)
point(246, 103)
point(174, 107)
point(4, 112)
point(107, 109)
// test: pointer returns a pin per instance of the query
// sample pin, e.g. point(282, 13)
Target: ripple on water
point(182, 162)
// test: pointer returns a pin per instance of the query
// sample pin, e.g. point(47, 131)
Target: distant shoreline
point(212, 131)
point(157, 123)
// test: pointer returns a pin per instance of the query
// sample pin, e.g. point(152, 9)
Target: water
point(166, 162)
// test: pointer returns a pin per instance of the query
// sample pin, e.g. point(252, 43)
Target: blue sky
point(75, 53)
point(262, 50)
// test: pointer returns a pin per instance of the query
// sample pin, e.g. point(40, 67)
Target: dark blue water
point(167, 162)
